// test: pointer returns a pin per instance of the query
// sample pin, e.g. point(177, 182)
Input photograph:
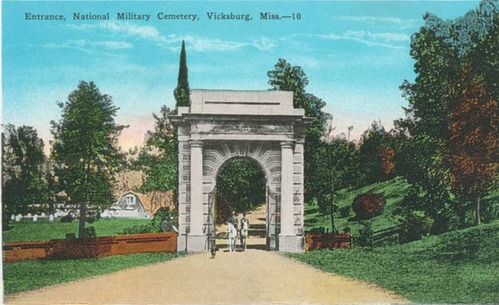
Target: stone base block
point(196, 243)
point(290, 243)
point(182, 243)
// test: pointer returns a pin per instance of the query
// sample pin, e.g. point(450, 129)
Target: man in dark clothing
point(168, 226)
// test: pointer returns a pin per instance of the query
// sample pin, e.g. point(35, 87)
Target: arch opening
point(241, 184)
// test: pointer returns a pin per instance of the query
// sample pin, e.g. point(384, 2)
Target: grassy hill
point(393, 190)
point(455, 267)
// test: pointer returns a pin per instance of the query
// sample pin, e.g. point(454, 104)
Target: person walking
point(244, 231)
point(233, 219)
point(232, 236)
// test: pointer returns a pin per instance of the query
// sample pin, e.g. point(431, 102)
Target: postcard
point(250, 152)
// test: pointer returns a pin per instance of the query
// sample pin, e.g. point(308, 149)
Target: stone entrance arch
point(260, 125)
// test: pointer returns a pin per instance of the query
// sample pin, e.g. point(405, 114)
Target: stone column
point(196, 238)
point(299, 165)
point(288, 241)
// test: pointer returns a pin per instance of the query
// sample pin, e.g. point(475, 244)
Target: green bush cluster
point(67, 218)
point(365, 237)
point(90, 232)
point(345, 211)
point(139, 229)
point(154, 226)
point(316, 230)
point(414, 226)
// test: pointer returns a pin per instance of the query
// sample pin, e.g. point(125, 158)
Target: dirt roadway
point(249, 277)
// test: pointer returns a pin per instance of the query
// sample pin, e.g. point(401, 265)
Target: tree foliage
point(85, 148)
point(182, 91)
point(286, 77)
point(473, 148)
point(376, 154)
point(337, 167)
point(23, 177)
point(450, 117)
point(158, 157)
point(240, 187)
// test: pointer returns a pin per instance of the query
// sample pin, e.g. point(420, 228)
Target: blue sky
point(355, 54)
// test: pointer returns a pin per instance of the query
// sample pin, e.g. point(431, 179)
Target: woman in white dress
point(244, 233)
point(232, 234)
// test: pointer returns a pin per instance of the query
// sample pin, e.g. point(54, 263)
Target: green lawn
point(38, 231)
point(456, 267)
point(31, 275)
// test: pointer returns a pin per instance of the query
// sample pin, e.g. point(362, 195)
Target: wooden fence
point(90, 247)
point(315, 241)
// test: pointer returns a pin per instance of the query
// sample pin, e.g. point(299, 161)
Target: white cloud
point(112, 44)
point(390, 36)
point(385, 40)
point(386, 20)
point(171, 42)
point(129, 29)
point(263, 43)
point(85, 45)
point(206, 44)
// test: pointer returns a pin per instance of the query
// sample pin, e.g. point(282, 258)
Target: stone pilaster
point(287, 188)
point(196, 239)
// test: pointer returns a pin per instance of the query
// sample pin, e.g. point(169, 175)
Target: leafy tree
point(337, 168)
point(158, 157)
point(376, 154)
point(286, 77)
point(85, 148)
point(473, 147)
point(182, 92)
point(23, 178)
point(441, 49)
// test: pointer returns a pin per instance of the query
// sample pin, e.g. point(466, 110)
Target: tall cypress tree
point(182, 92)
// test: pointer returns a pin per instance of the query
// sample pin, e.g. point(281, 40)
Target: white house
point(128, 206)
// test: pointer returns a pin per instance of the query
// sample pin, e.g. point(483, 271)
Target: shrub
point(489, 211)
point(368, 205)
point(158, 218)
point(320, 230)
point(414, 226)
point(365, 237)
point(345, 211)
point(67, 218)
point(90, 232)
point(92, 217)
point(140, 229)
